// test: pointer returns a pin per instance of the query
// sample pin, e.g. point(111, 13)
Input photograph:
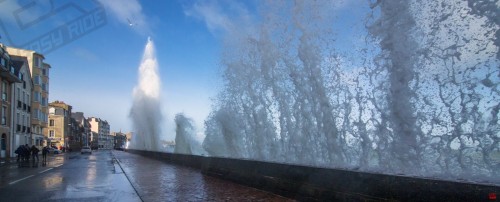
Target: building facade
point(119, 141)
point(82, 128)
point(101, 128)
point(59, 127)
point(22, 106)
point(7, 79)
point(40, 92)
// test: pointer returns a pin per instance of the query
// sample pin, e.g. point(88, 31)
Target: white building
point(21, 107)
point(104, 138)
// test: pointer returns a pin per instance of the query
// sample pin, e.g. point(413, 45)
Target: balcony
point(9, 75)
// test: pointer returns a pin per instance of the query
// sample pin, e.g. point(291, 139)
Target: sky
point(95, 63)
point(95, 49)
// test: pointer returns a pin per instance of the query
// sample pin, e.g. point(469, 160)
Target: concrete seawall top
point(323, 184)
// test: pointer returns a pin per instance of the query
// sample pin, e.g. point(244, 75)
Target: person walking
point(26, 152)
point(19, 152)
point(34, 152)
point(45, 151)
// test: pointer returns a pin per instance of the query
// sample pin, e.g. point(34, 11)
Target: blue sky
point(96, 73)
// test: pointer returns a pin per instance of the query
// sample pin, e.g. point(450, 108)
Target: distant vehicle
point(86, 149)
point(54, 151)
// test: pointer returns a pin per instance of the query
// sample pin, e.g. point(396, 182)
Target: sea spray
point(146, 107)
point(416, 94)
point(185, 133)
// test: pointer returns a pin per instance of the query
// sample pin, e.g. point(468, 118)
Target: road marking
point(45, 170)
point(58, 165)
point(20, 180)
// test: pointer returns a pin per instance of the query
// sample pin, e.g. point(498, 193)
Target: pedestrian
point(34, 152)
point(45, 151)
point(19, 152)
point(26, 152)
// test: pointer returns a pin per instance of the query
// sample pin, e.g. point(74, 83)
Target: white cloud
point(85, 54)
point(128, 12)
point(222, 16)
point(211, 13)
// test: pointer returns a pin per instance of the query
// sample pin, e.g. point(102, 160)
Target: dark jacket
point(34, 150)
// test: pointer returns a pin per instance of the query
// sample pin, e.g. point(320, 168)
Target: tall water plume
point(416, 92)
point(185, 136)
point(145, 112)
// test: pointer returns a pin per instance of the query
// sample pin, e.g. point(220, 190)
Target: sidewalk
point(13, 160)
point(7, 161)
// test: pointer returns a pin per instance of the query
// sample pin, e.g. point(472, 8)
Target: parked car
point(86, 149)
point(54, 151)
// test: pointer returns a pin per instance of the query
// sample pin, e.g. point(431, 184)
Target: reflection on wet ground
point(12, 171)
point(158, 181)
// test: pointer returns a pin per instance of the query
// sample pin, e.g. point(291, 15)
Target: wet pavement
point(159, 181)
point(116, 176)
point(66, 177)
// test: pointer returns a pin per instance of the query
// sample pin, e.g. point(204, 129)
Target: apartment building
point(119, 140)
point(101, 128)
point(58, 131)
point(40, 92)
point(8, 78)
point(22, 106)
point(82, 128)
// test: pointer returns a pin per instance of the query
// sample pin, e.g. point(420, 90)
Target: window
point(38, 96)
point(44, 101)
point(44, 86)
point(51, 123)
point(52, 133)
point(35, 113)
point(4, 91)
point(18, 94)
point(38, 62)
point(4, 115)
point(37, 80)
